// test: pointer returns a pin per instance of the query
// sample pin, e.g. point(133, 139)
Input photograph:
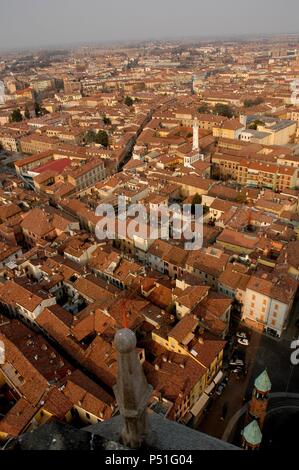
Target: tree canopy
point(205, 209)
point(129, 101)
point(27, 113)
point(90, 137)
point(249, 103)
point(100, 137)
point(223, 110)
point(253, 125)
point(16, 116)
point(37, 109)
point(203, 108)
point(197, 199)
point(106, 121)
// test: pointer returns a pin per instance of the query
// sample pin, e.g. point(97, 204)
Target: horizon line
point(112, 43)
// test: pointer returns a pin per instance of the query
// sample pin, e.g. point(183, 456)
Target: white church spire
point(195, 134)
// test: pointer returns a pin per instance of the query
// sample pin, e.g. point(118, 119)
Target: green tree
point(203, 108)
point(37, 109)
point(129, 101)
point(223, 110)
point(171, 308)
point(27, 113)
point(90, 137)
point(249, 103)
point(102, 138)
point(205, 209)
point(16, 116)
point(106, 121)
point(197, 200)
point(253, 125)
point(216, 173)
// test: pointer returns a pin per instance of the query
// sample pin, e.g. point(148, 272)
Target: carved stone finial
point(131, 390)
point(125, 341)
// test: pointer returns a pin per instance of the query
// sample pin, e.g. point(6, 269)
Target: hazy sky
point(25, 23)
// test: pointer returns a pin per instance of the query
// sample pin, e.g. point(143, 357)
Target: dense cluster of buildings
point(213, 124)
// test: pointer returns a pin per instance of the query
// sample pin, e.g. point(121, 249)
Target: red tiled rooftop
point(54, 165)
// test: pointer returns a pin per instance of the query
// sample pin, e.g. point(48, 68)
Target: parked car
point(236, 362)
point(243, 341)
point(223, 383)
point(220, 389)
point(241, 334)
point(238, 370)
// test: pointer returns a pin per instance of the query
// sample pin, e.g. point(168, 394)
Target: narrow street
point(262, 352)
point(233, 395)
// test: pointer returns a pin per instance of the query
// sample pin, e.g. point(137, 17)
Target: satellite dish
point(2, 353)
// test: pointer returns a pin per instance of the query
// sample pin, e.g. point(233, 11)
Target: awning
point(218, 377)
point(200, 404)
point(210, 388)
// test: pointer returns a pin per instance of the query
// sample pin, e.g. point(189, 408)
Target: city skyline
point(43, 24)
point(149, 226)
